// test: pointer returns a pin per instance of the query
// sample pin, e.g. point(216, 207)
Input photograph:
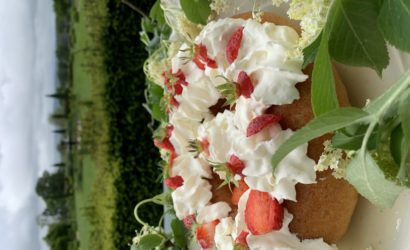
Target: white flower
point(333, 158)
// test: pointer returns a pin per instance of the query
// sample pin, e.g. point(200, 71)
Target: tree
point(60, 236)
point(52, 185)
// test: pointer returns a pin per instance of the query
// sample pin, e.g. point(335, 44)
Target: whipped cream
point(212, 212)
point(193, 195)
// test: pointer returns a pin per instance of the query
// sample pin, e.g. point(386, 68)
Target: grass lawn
point(85, 171)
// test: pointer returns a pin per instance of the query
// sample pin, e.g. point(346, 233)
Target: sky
point(27, 144)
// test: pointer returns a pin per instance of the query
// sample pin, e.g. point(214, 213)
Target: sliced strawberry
point(235, 164)
point(234, 43)
point(240, 241)
point(188, 221)
point(205, 146)
point(212, 64)
point(168, 130)
point(245, 84)
point(165, 144)
point(238, 191)
point(173, 102)
point(205, 234)
point(174, 182)
point(260, 122)
point(263, 213)
point(198, 63)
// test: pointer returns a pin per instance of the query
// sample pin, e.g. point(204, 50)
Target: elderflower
point(182, 28)
point(333, 158)
point(277, 3)
point(312, 15)
point(219, 6)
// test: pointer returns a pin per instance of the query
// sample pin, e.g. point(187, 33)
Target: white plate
point(371, 229)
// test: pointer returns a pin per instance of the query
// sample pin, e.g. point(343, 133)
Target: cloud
point(27, 74)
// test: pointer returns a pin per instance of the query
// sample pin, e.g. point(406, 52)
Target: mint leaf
point(197, 11)
point(328, 122)
point(394, 23)
point(179, 231)
point(355, 38)
point(404, 114)
point(309, 53)
point(150, 241)
point(365, 175)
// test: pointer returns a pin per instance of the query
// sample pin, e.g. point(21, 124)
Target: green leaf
point(197, 11)
point(404, 114)
point(394, 23)
point(179, 231)
point(398, 87)
point(396, 141)
point(150, 241)
point(157, 13)
point(365, 175)
point(309, 53)
point(350, 138)
point(162, 199)
point(328, 122)
point(355, 38)
point(323, 90)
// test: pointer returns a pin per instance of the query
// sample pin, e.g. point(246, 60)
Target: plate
point(371, 229)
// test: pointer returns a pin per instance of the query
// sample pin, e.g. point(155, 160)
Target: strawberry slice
point(234, 43)
point(165, 144)
point(238, 191)
point(260, 122)
point(205, 234)
point(263, 213)
point(240, 241)
point(235, 164)
point(201, 57)
point(174, 182)
point(188, 221)
point(245, 84)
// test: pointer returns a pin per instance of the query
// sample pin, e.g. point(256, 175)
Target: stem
point(136, 212)
point(132, 6)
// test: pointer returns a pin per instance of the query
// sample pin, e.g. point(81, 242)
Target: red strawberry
point(240, 241)
point(201, 57)
point(236, 165)
point(245, 84)
point(165, 144)
point(205, 234)
point(234, 43)
point(188, 221)
point(198, 63)
point(174, 182)
point(205, 146)
point(263, 213)
point(168, 130)
point(260, 122)
point(238, 191)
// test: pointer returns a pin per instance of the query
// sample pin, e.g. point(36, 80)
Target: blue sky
point(27, 74)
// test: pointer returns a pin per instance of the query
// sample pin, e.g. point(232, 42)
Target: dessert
point(234, 96)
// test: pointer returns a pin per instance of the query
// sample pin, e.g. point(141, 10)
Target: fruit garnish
point(258, 123)
point(233, 167)
point(174, 182)
point(238, 191)
point(189, 220)
point(263, 213)
point(240, 241)
point(231, 90)
point(236, 165)
point(205, 234)
point(245, 84)
point(234, 43)
point(174, 81)
point(201, 53)
point(198, 146)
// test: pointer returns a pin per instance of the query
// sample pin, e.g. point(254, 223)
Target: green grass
point(85, 171)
